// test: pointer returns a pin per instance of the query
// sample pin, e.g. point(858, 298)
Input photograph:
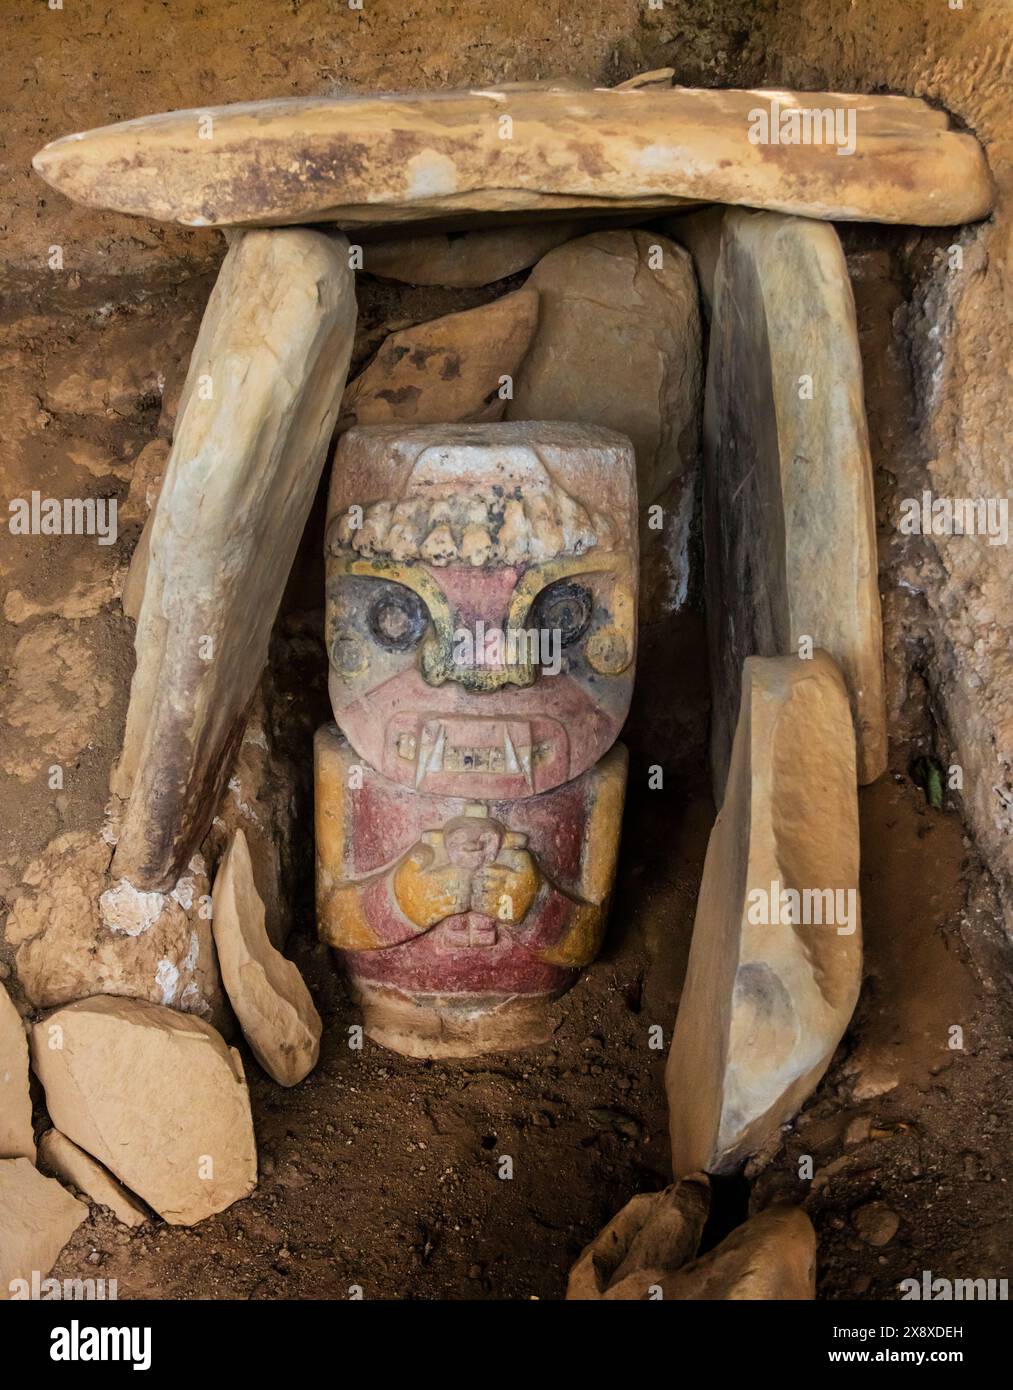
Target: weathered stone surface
point(145, 481)
point(78, 932)
point(771, 1256)
point(17, 1138)
point(63, 1157)
point(618, 307)
point(618, 344)
point(246, 458)
point(654, 1234)
point(788, 507)
point(468, 259)
point(448, 370)
point(154, 1095)
point(37, 1218)
point(700, 233)
point(274, 1008)
point(766, 999)
point(403, 158)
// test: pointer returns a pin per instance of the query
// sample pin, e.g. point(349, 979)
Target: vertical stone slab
point(789, 519)
point(255, 419)
point(775, 963)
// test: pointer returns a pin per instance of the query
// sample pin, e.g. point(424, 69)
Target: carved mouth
point(506, 757)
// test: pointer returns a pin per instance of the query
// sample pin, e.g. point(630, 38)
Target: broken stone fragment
point(17, 1137)
point(67, 1161)
point(654, 1234)
point(155, 1096)
point(78, 932)
point(775, 961)
point(378, 160)
point(770, 1256)
point(789, 517)
point(37, 1218)
point(256, 415)
point(449, 370)
point(466, 260)
point(274, 1008)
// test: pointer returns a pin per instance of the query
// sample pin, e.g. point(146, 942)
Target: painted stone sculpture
point(481, 634)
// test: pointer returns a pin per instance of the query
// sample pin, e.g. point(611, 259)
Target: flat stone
point(77, 931)
point(17, 1137)
point(155, 1096)
point(37, 1218)
point(137, 575)
point(376, 160)
point(789, 516)
point(67, 1161)
point(766, 999)
point(449, 370)
point(466, 260)
point(257, 413)
point(274, 1008)
point(770, 1256)
point(654, 1234)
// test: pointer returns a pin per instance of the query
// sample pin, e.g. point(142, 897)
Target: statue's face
point(481, 619)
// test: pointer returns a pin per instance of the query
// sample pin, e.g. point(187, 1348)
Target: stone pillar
point(481, 635)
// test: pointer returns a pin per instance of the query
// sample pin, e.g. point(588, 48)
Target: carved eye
point(397, 618)
point(566, 608)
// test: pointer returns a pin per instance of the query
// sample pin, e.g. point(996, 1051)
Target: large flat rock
point(375, 160)
point(789, 518)
point(772, 978)
point(37, 1218)
point(255, 419)
point(155, 1096)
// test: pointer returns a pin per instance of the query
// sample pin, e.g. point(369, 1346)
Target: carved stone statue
point(481, 634)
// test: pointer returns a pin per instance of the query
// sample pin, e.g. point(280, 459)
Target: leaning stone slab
point(17, 1137)
point(62, 1157)
point(377, 160)
point(273, 1005)
point(37, 1218)
point(155, 1096)
point(449, 370)
point(776, 957)
point(256, 415)
point(789, 518)
point(771, 1256)
point(469, 259)
point(654, 1234)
